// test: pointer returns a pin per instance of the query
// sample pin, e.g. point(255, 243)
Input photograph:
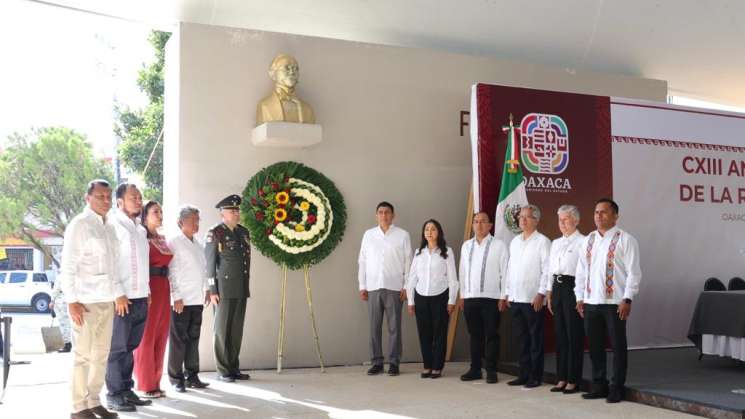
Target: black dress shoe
point(491, 377)
point(195, 382)
point(131, 398)
point(572, 391)
point(66, 348)
point(226, 378)
point(375, 369)
point(471, 375)
point(614, 395)
point(120, 406)
point(241, 376)
point(393, 370)
point(426, 374)
point(180, 387)
point(596, 394)
point(532, 384)
point(436, 375)
point(518, 382)
point(102, 413)
point(557, 389)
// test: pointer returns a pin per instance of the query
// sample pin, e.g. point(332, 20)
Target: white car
point(25, 289)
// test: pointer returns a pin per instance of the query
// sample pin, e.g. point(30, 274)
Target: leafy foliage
point(140, 129)
point(43, 178)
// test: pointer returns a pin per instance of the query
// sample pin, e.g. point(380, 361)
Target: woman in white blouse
point(432, 288)
point(570, 337)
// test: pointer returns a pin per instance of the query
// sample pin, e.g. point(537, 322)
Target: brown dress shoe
point(83, 414)
point(102, 413)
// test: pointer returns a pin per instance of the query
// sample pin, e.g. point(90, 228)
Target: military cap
point(229, 202)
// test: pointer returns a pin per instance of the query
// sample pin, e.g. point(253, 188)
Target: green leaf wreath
point(295, 214)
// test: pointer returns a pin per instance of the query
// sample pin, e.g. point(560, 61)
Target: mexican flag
point(512, 194)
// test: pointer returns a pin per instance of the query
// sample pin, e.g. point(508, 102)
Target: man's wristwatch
point(627, 300)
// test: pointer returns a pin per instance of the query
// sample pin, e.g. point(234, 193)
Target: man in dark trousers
point(228, 256)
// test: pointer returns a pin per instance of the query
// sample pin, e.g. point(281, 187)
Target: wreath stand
point(282, 309)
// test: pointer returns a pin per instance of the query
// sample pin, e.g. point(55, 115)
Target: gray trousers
point(388, 302)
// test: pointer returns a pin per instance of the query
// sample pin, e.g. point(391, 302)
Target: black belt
point(159, 271)
point(561, 278)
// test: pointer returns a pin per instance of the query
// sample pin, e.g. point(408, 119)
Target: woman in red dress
point(149, 356)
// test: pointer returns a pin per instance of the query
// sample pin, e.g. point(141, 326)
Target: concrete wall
point(390, 119)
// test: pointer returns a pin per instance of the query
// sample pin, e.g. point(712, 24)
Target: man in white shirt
point(483, 264)
point(384, 262)
point(607, 280)
point(189, 292)
point(134, 270)
point(527, 279)
point(90, 282)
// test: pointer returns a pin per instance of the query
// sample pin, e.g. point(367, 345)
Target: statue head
point(284, 71)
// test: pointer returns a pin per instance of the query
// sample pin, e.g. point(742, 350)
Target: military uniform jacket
point(228, 255)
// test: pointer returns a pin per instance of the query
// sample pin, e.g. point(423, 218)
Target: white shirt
point(384, 259)
point(88, 272)
point(565, 252)
point(527, 272)
point(626, 271)
point(431, 275)
point(134, 255)
point(187, 270)
point(479, 278)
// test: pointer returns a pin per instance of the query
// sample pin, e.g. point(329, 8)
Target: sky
point(60, 67)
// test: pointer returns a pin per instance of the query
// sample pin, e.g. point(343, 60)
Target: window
point(2, 277)
point(40, 278)
point(17, 277)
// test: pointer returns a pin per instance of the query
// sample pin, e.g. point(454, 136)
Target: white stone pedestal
point(286, 134)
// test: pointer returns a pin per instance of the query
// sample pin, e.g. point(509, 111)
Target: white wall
point(390, 119)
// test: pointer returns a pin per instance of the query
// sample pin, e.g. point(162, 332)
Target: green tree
point(43, 178)
point(141, 129)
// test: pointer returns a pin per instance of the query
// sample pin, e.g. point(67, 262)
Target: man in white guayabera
point(384, 262)
point(93, 289)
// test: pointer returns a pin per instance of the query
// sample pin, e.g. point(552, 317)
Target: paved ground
point(41, 390)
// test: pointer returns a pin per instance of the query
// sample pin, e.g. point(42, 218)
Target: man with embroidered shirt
point(384, 262)
point(607, 280)
point(525, 289)
point(91, 283)
point(483, 265)
point(134, 269)
point(227, 253)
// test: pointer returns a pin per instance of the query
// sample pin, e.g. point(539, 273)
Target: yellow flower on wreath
point(280, 215)
point(299, 227)
point(282, 198)
point(305, 205)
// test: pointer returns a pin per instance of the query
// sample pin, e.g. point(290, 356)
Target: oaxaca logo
point(544, 143)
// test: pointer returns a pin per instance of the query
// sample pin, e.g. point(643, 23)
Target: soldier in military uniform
point(60, 311)
point(228, 254)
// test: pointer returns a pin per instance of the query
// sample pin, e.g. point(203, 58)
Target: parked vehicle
point(25, 289)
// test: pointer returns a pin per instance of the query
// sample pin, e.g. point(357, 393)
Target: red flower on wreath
point(261, 192)
point(254, 202)
point(260, 216)
point(269, 231)
point(311, 219)
point(275, 186)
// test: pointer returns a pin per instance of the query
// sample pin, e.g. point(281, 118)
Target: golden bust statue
point(282, 104)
